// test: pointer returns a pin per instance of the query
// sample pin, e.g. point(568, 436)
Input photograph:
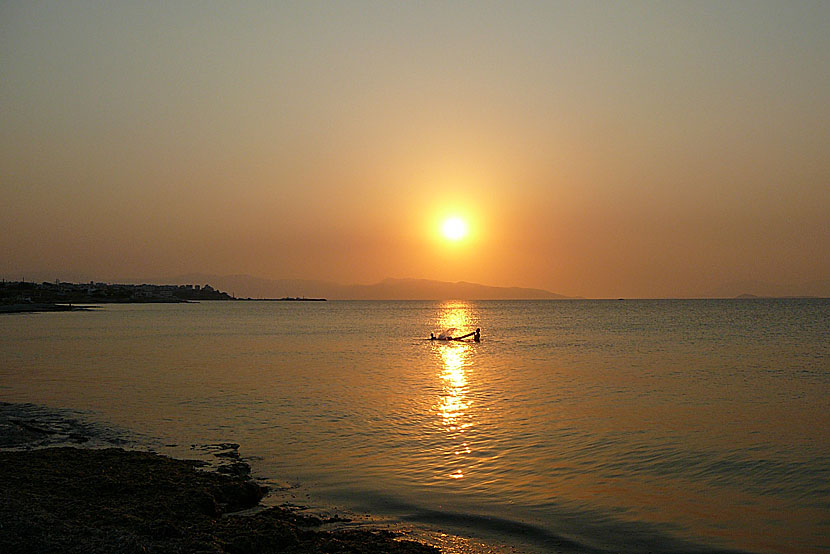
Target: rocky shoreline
point(58, 498)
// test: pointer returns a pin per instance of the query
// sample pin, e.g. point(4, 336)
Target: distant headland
point(23, 296)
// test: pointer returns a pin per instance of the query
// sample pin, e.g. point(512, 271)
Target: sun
point(454, 228)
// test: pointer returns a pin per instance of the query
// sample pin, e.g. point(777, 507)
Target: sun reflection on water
point(455, 314)
point(455, 405)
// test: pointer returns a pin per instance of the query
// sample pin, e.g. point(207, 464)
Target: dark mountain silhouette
point(244, 286)
point(423, 289)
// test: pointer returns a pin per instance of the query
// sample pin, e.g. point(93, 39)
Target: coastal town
point(58, 292)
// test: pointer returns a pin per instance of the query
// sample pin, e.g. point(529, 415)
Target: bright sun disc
point(454, 228)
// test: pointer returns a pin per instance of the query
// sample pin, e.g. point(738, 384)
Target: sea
point(572, 426)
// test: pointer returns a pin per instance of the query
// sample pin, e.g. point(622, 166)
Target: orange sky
point(602, 150)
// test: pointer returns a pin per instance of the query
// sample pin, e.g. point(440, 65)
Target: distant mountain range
point(246, 286)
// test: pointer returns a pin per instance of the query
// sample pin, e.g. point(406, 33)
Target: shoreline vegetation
point(59, 498)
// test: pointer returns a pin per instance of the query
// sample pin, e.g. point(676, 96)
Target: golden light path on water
point(454, 405)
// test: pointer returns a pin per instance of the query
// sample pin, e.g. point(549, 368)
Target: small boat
point(450, 333)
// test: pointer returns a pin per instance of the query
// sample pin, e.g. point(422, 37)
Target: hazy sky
point(594, 148)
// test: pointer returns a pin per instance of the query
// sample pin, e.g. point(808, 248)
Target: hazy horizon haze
point(594, 149)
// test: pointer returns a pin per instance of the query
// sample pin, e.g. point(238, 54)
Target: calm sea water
point(635, 426)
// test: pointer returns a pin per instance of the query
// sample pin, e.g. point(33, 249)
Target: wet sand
point(70, 499)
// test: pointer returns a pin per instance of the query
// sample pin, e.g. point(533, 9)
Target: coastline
point(59, 496)
point(42, 307)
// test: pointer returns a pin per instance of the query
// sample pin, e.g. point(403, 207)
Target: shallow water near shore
point(636, 426)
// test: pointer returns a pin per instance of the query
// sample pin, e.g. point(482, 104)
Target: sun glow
point(454, 228)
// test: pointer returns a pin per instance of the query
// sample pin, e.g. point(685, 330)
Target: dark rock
point(164, 529)
point(101, 501)
point(239, 495)
point(237, 469)
point(206, 504)
point(277, 539)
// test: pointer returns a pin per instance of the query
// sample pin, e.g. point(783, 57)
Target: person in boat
point(476, 336)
